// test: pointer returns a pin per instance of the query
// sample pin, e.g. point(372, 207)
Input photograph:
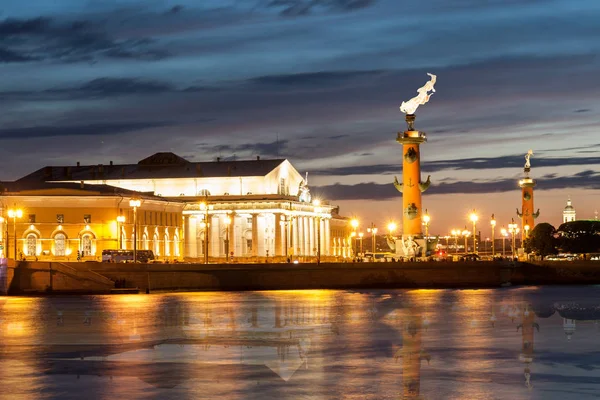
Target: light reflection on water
point(528, 343)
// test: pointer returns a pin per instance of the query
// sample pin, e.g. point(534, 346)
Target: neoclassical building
point(248, 210)
point(55, 221)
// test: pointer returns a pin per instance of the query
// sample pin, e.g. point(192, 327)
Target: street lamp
point(14, 214)
point(360, 236)
point(391, 228)
point(227, 223)
point(317, 204)
point(473, 217)
point(373, 231)
point(504, 234)
point(204, 206)
point(526, 228)
point(354, 224)
point(4, 244)
point(120, 221)
point(426, 220)
point(513, 229)
point(493, 224)
point(135, 203)
point(466, 234)
point(455, 233)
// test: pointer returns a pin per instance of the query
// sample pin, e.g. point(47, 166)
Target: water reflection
point(419, 344)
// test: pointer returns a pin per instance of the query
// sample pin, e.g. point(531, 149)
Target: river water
point(514, 343)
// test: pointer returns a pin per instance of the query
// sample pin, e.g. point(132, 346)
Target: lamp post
point(466, 234)
point(455, 233)
point(204, 206)
point(4, 244)
point(473, 217)
point(227, 223)
point(504, 234)
point(360, 236)
point(513, 229)
point(493, 224)
point(373, 231)
point(135, 203)
point(354, 224)
point(426, 220)
point(120, 221)
point(14, 214)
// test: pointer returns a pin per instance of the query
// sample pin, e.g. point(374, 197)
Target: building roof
point(157, 166)
point(569, 207)
point(24, 188)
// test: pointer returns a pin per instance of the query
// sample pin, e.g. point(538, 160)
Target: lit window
point(86, 245)
point(31, 244)
point(60, 244)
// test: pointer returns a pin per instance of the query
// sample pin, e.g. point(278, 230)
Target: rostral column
point(526, 214)
point(411, 186)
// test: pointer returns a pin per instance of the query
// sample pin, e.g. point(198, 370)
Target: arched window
point(176, 245)
point(60, 244)
point(31, 244)
point(167, 246)
point(156, 245)
point(145, 241)
point(86, 245)
point(201, 243)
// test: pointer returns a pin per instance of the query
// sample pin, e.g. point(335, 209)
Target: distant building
point(569, 214)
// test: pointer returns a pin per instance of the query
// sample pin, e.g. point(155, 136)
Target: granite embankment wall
point(7, 273)
point(101, 277)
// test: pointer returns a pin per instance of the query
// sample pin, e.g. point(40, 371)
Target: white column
point(279, 235)
point(295, 237)
point(301, 245)
point(215, 236)
point(254, 235)
point(312, 231)
point(327, 231)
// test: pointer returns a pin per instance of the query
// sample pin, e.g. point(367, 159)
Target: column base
point(409, 246)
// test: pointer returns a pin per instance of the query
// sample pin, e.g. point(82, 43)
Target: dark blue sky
point(316, 81)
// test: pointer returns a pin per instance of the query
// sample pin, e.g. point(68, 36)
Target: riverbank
point(45, 277)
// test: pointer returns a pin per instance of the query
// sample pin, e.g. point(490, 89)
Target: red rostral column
point(411, 186)
point(526, 214)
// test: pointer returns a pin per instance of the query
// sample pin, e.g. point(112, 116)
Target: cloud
point(294, 8)
point(586, 179)
point(267, 149)
point(314, 79)
point(27, 40)
point(111, 128)
point(502, 162)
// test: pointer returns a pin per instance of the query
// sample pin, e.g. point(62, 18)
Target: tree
point(579, 237)
point(542, 240)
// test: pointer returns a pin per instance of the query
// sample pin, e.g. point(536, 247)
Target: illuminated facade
point(248, 210)
point(569, 214)
point(59, 220)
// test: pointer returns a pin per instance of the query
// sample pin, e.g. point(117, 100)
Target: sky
point(318, 82)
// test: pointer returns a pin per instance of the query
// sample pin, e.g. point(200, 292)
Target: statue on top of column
point(409, 107)
point(527, 157)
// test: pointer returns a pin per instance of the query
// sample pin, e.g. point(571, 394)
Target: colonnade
point(257, 234)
